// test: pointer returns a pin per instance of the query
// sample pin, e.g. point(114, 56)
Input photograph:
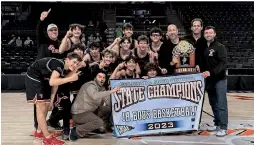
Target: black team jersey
point(64, 55)
point(85, 76)
point(42, 69)
point(151, 48)
point(91, 58)
point(118, 61)
point(142, 61)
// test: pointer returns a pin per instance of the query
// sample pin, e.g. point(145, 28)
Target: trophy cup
point(184, 56)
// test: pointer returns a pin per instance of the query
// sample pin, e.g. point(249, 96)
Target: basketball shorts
point(37, 91)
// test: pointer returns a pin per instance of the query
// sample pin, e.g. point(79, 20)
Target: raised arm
point(65, 44)
point(115, 46)
point(116, 71)
point(97, 96)
point(40, 35)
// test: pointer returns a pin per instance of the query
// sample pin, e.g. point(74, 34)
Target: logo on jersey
point(211, 52)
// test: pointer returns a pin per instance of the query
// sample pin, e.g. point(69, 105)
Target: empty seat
point(230, 54)
point(247, 65)
point(244, 54)
point(237, 54)
point(14, 64)
point(30, 53)
point(7, 58)
point(239, 65)
point(3, 64)
point(22, 53)
point(26, 59)
point(23, 65)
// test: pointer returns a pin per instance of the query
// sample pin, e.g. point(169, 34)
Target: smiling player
point(41, 76)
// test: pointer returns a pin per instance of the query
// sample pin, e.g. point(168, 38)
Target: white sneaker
point(213, 128)
point(221, 133)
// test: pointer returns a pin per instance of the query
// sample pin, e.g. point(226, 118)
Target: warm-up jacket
point(89, 98)
point(46, 46)
point(216, 61)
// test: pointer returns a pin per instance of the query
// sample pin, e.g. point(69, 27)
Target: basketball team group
point(65, 68)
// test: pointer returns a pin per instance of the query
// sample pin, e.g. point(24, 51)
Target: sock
point(38, 131)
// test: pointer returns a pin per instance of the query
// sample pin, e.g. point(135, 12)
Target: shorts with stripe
point(37, 91)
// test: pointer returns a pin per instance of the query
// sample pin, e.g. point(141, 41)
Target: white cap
point(51, 26)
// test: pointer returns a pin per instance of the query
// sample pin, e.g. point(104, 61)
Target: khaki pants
point(90, 121)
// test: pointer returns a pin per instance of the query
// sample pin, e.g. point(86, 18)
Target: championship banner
point(157, 105)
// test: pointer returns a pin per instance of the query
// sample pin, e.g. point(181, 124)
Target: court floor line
point(185, 142)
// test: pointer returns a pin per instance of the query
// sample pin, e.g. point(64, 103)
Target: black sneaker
point(73, 134)
point(56, 126)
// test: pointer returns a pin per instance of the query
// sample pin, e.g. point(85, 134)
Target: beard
point(100, 83)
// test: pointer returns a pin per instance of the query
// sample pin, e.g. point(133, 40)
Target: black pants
point(74, 98)
point(62, 110)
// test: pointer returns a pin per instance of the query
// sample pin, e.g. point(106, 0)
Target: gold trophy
point(184, 57)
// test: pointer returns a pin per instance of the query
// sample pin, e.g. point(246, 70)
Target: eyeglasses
point(155, 35)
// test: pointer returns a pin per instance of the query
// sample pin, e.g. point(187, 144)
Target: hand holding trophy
point(184, 58)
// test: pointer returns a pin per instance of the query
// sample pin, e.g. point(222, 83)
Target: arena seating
point(15, 60)
point(234, 26)
point(69, 12)
point(233, 23)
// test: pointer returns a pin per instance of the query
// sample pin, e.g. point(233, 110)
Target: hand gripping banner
point(157, 105)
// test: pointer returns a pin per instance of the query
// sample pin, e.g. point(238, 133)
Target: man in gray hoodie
point(88, 110)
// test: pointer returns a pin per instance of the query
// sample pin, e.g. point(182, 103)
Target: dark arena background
point(233, 21)
point(103, 21)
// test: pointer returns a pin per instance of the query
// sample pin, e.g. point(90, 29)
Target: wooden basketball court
point(17, 125)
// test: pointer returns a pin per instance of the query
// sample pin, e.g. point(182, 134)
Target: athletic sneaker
point(73, 134)
point(38, 135)
point(52, 141)
point(56, 126)
point(65, 136)
point(66, 132)
point(213, 128)
point(221, 133)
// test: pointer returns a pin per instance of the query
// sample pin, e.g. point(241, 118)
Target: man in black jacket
point(216, 80)
point(47, 45)
point(165, 58)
